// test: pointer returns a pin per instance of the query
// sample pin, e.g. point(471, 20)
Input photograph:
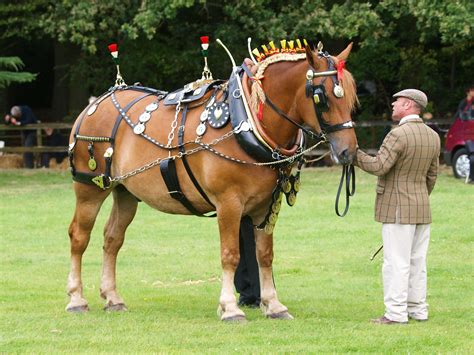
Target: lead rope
point(348, 172)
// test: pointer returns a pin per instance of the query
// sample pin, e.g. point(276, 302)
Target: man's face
point(399, 108)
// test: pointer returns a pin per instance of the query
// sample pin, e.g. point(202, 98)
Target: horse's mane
point(258, 96)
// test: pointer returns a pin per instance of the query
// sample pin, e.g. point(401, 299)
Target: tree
point(13, 75)
point(398, 43)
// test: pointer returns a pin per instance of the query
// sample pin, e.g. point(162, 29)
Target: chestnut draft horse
point(218, 174)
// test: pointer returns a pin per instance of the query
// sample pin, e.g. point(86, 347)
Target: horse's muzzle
point(345, 157)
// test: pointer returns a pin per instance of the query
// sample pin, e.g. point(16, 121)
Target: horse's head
point(330, 97)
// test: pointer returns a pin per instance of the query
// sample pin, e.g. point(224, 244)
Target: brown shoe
point(385, 320)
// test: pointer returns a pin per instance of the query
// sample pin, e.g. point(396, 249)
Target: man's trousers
point(404, 270)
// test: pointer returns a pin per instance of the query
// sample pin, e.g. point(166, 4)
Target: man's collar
point(409, 118)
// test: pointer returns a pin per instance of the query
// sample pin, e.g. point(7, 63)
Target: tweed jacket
point(406, 165)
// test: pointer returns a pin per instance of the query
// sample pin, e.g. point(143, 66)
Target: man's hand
point(9, 119)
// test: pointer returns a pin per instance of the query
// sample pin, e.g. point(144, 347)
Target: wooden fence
point(10, 135)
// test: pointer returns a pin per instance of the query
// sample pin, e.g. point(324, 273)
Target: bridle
point(321, 104)
point(319, 95)
point(319, 98)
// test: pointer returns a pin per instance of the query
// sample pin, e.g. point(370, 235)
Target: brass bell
point(269, 228)
point(291, 198)
point(297, 184)
point(273, 218)
point(276, 207)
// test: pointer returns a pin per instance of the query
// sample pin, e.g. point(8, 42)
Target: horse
point(217, 175)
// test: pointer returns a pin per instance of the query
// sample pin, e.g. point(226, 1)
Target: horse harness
point(248, 139)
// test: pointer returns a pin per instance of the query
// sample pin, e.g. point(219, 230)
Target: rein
point(347, 176)
point(320, 136)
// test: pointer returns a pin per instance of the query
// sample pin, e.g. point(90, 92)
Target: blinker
point(320, 98)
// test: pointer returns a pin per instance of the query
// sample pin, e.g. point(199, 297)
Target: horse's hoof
point(119, 307)
point(235, 319)
point(282, 315)
point(78, 309)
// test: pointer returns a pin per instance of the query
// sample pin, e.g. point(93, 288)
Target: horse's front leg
point(229, 225)
point(270, 305)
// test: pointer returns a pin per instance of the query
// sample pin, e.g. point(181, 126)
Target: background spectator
point(20, 116)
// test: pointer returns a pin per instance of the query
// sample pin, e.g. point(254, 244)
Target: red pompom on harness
point(340, 67)
point(113, 47)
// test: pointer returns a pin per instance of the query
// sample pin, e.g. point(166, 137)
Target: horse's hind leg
point(88, 202)
point(270, 305)
point(122, 214)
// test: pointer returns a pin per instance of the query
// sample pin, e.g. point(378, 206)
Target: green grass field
point(169, 275)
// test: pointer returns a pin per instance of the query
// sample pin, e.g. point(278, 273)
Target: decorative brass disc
point(218, 115)
point(151, 107)
point(91, 110)
point(92, 164)
point(144, 117)
point(203, 116)
point(139, 128)
point(201, 129)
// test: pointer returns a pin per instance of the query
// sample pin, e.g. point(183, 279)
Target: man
point(465, 109)
point(246, 279)
point(20, 116)
point(407, 165)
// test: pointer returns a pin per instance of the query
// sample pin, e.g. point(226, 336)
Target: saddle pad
point(187, 95)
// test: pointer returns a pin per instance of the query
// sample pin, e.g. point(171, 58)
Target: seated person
point(53, 138)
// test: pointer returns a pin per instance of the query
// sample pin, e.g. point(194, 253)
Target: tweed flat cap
point(413, 94)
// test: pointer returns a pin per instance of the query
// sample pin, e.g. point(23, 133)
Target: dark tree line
point(426, 44)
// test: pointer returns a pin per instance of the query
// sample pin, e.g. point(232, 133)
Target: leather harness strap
point(88, 178)
point(170, 176)
point(184, 158)
point(168, 171)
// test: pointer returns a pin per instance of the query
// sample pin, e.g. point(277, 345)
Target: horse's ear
point(345, 53)
point(309, 55)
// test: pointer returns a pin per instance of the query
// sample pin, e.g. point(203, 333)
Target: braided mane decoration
point(258, 96)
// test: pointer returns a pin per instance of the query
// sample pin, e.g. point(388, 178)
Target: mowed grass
point(169, 275)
